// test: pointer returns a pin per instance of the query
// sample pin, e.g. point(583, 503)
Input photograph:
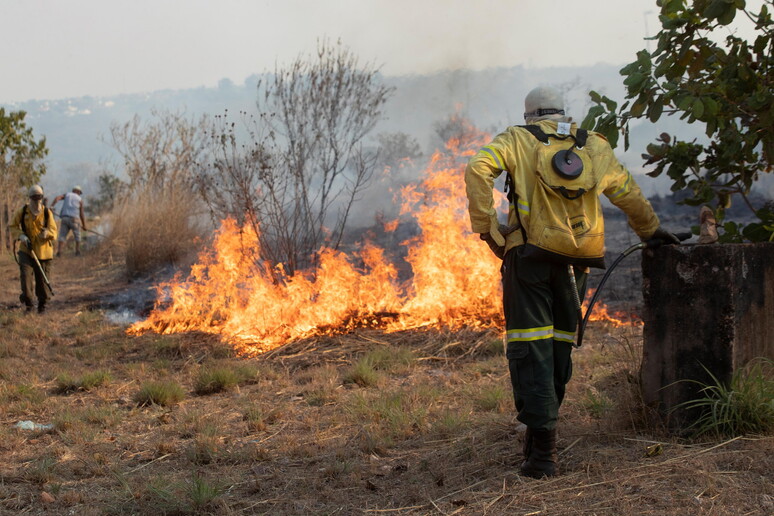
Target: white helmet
point(35, 190)
point(542, 102)
point(77, 188)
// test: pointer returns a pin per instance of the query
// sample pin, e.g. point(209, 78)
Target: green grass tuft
point(160, 393)
point(492, 398)
point(210, 381)
point(66, 383)
point(362, 374)
point(743, 406)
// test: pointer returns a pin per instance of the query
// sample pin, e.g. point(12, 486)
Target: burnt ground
point(417, 422)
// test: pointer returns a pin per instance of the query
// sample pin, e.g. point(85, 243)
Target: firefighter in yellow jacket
point(556, 173)
point(35, 228)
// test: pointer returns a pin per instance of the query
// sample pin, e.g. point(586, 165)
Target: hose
point(649, 244)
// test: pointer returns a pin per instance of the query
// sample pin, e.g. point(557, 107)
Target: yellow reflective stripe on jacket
point(495, 156)
point(624, 189)
point(527, 334)
point(564, 336)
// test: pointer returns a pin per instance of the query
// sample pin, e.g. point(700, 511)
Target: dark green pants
point(32, 283)
point(540, 321)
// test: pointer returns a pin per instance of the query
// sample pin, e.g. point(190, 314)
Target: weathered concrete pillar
point(711, 306)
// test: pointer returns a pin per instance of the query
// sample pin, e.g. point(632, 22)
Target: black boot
point(542, 458)
point(41, 307)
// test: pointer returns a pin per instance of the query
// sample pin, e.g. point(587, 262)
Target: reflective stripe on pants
point(540, 320)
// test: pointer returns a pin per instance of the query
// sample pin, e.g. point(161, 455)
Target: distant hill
point(492, 99)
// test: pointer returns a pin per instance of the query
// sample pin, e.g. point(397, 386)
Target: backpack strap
point(24, 216)
point(581, 135)
point(510, 193)
point(537, 132)
point(46, 221)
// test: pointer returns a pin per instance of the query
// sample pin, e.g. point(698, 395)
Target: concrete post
point(704, 306)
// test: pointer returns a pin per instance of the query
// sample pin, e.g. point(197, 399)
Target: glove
point(498, 250)
point(665, 236)
point(24, 239)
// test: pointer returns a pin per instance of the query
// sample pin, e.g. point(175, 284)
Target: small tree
point(21, 162)
point(726, 86)
point(110, 188)
point(304, 162)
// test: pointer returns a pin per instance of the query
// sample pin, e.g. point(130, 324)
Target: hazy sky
point(63, 48)
point(55, 48)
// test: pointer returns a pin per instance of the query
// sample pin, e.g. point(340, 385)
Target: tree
point(726, 85)
point(110, 188)
point(162, 153)
point(21, 162)
point(300, 163)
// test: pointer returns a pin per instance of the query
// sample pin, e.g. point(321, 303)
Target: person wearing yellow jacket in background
point(554, 220)
point(35, 228)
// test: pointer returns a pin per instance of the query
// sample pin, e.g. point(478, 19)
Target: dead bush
point(157, 228)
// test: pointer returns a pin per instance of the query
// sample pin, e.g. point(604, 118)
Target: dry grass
point(154, 229)
point(287, 433)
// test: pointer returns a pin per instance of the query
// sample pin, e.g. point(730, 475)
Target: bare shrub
point(299, 165)
point(157, 218)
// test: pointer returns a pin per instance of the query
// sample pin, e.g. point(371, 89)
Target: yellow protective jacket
point(522, 155)
point(43, 247)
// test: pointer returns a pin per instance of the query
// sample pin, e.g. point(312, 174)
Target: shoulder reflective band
point(495, 156)
point(564, 336)
point(527, 334)
point(625, 188)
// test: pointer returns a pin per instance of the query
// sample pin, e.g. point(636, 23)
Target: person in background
point(35, 228)
point(541, 267)
point(72, 218)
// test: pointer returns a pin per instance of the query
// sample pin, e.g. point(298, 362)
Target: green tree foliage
point(21, 162)
point(21, 156)
point(110, 189)
point(724, 84)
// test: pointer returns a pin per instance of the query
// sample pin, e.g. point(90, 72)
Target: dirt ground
point(419, 422)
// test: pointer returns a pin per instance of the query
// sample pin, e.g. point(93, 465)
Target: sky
point(52, 49)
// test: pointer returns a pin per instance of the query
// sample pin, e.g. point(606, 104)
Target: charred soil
point(418, 422)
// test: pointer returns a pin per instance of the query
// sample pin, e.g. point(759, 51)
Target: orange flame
point(602, 313)
point(455, 279)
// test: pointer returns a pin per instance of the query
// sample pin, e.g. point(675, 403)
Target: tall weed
point(743, 406)
point(156, 228)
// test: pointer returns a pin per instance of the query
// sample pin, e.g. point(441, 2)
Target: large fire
point(455, 279)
